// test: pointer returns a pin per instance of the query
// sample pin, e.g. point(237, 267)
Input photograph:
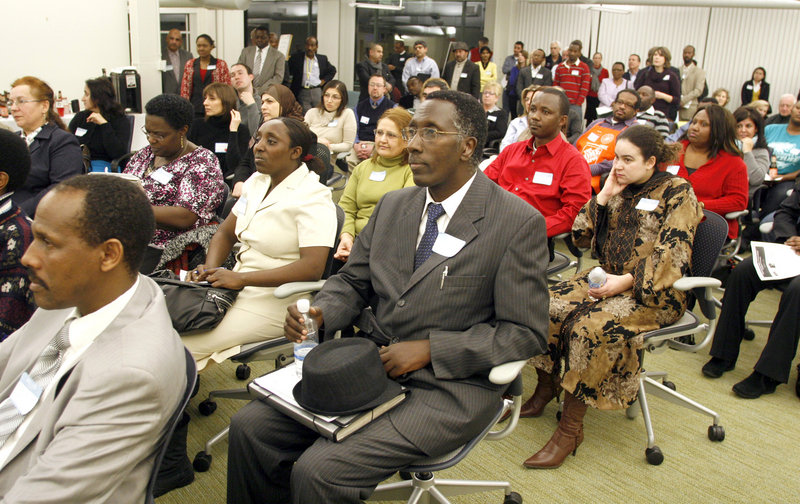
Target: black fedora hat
point(342, 377)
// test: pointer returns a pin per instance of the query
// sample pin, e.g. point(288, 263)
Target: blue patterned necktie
point(43, 372)
point(435, 210)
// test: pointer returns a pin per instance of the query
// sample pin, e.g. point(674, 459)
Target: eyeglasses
point(155, 136)
point(629, 105)
point(21, 101)
point(427, 134)
point(377, 84)
point(492, 93)
point(388, 134)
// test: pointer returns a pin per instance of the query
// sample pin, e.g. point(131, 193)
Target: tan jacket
point(694, 80)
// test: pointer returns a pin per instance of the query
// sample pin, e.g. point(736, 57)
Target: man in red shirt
point(546, 171)
point(573, 76)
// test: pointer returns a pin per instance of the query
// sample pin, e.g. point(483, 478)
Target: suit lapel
point(462, 226)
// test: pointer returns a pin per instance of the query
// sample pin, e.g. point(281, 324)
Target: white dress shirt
point(450, 206)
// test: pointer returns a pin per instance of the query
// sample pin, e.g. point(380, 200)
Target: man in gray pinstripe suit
point(480, 299)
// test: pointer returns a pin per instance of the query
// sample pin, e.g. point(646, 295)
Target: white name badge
point(463, 75)
point(537, 76)
point(211, 67)
point(240, 208)
point(666, 77)
point(221, 147)
point(543, 178)
point(575, 73)
point(402, 60)
point(648, 205)
point(749, 86)
point(25, 394)
point(673, 169)
point(488, 72)
point(377, 176)
point(593, 137)
point(161, 176)
point(79, 132)
point(492, 118)
point(332, 124)
point(447, 245)
point(364, 120)
point(168, 68)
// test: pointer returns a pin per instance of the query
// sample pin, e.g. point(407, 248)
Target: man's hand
point(614, 285)
point(293, 327)
point(794, 242)
point(236, 120)
point(247, 97)
point(405, 357)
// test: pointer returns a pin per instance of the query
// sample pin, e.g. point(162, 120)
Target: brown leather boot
point(567, 437)
point(547, 388)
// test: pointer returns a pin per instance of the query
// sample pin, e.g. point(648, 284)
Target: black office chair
point(117, 165)
point(708, 242)
point(191, 379)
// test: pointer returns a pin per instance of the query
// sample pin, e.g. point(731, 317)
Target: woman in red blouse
point(712, 162)
point(201, 71)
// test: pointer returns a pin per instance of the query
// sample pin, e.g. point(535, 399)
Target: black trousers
point(273, 459)
point(743, 286)
point(592, 102)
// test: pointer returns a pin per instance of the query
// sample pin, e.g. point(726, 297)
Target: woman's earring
point(183, 141)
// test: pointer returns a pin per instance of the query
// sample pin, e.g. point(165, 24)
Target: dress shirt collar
point(29, 138)
point(452, 202)
point(535, 70)
point(374, 104)
point(552, 147)
point(85, 329)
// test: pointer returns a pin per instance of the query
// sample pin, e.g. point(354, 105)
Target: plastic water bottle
point(597, 278)
point(312, 339)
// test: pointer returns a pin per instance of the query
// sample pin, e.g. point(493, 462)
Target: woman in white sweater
point(331, 120)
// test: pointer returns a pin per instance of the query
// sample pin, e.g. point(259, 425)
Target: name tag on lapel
point(79, 132)
point(221, 147)
point(447, 245)
point(211, 67)
point(240, 207)
point(646, 204)
point(666, 77)
point(576, 73)
point(463, 75)
point(161, 176)
point(749, 86)
point(25, 394)
point(492, 118)
point(364, 120)
point(538, 76)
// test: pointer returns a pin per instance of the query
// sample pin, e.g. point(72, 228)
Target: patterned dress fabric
point(599, 339)
point(195, 183)
point(16, 299)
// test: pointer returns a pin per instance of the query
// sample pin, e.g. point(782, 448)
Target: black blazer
point(747, 92)
point(365, 71)
point(471, 84)
point(296, 64)
point(198, 85)
point(497, 124)
point(216, 130)
point(55, 156)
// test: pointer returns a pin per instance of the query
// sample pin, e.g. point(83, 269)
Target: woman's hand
point(343, 250)
point(221, 277)
point(747, 144)
point(663, 96)
point(237, 189)
point(96, 118)
point(614, 285)
point(611, 188)
point(236, 120)
point(197, 274)
point(794, 242)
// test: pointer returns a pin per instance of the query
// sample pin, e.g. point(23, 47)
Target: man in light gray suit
point(443, 317)
point(268, 64)
point(88, 429)
point(176, 59)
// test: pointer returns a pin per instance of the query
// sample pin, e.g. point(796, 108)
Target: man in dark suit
point(310, 71)
point(536, 74)
point(268, 63)
point(461, 73)
point(397, 62)
point(443, 317)
point(176, 59)
point(370, 66)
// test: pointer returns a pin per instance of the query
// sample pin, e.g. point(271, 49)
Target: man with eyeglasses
point(455, 272)
point(546, 171)
point(368, 111)
point(597, 142)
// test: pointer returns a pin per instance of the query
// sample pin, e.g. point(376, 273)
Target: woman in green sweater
point(385, 171)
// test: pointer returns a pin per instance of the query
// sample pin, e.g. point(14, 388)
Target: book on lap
point(276, 389)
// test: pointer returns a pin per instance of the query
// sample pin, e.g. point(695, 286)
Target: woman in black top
point(102, 126)
point(757, 88)
point(221, 130)
point(496, 118)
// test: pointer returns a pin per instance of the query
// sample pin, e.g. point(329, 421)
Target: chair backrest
point(708, 242)
point(191, 380)
point(321, 152)
point(339, 226)
point(131, 120)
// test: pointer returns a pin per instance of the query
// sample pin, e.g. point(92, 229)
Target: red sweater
point(576, 80)
point(720, 185)
point(555, 179)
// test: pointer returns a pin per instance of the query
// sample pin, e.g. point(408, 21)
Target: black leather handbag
point(193, 306)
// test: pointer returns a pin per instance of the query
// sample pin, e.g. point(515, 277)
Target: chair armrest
point(689, 283)
point(292, 288)
point(766, 227)
point(505, 373)
point(342, 155)
point(735, 215)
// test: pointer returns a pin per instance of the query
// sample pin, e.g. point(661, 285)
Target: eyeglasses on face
point(427, 134)
point(19, 102)
point(158, 137)
point(388, 134)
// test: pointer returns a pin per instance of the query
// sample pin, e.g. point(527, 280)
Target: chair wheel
point(749, 334)
point(654, 455)
point(716, 433)
point(207, 407)
point(202, 461)
point(513, 498)
point(405, 475)
point(242, 371)
point(670, 385)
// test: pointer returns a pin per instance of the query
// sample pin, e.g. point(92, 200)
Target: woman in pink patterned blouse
point(183, 181)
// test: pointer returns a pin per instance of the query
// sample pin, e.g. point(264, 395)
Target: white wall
point(63, 42)
point(730, 42)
